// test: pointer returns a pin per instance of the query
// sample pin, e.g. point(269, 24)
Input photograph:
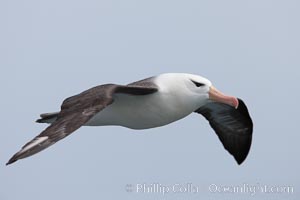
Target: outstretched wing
point(75, 112)
point(233, 126)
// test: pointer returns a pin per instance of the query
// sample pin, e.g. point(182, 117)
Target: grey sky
point(54, 49)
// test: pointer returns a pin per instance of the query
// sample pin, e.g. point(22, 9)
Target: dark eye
point(198, 84)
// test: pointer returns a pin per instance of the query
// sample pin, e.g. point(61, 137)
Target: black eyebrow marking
point(198, 84)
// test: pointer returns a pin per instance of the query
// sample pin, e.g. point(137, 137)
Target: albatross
point(149, 103)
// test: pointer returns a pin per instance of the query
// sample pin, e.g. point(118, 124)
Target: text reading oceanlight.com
point(190, 188)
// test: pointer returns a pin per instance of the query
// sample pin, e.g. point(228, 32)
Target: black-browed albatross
point(149, 103)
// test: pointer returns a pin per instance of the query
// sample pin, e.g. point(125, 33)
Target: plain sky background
point(50, 50)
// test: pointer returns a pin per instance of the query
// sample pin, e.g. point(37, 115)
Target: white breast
point(146, 111)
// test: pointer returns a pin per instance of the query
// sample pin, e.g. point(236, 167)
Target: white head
point(196, 87)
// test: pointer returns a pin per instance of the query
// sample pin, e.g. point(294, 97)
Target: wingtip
point(240, 160)
point(12, 160)
point(15, 158)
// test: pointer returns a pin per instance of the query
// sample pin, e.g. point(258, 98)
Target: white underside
point(146, 111)
point(138, 112)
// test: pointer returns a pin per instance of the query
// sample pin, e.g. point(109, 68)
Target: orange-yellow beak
point(218, 96)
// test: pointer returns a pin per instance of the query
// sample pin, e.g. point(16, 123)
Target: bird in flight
point(149, 103)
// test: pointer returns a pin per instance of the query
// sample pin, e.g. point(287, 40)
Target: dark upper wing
point(233, 127)
point(75, 112)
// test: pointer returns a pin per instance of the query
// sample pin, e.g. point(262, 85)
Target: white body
point(153, 110)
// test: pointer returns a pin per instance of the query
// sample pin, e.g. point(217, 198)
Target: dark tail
point(47, 117)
